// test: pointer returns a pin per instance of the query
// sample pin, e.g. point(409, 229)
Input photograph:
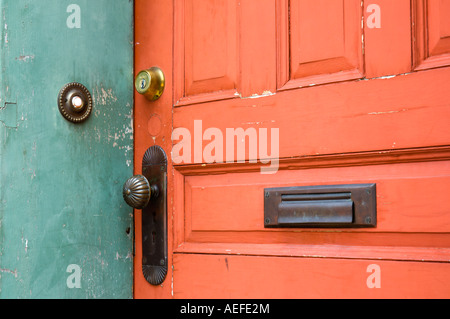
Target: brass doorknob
point(150, 83)
point(137, 191)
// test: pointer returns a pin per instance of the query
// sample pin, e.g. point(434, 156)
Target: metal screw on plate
point(266, 194)
point(368, 220)
point(267, 220)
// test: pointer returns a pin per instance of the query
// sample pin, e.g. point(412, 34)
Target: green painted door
point(65, 231)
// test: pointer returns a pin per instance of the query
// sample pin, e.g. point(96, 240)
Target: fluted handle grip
point(137, 191)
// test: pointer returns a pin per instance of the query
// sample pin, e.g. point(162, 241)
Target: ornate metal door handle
point(149, 193)
point(137, 191)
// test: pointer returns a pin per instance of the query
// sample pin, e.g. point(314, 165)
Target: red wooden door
point(330, 92)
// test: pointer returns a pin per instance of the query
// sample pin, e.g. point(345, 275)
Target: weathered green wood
point(60, 183)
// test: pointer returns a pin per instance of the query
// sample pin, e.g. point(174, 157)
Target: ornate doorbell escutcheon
point(75, 102)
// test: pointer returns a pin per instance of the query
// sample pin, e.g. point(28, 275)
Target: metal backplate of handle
point(149, 193)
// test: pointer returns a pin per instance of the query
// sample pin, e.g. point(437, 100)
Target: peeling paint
point(387, 77)
point(171, 284)
point(387, 112)
point(26, 58)
point(252, 123)
point(118, 138)
point(6, 33)
point(255, 96)
point(103, 97)
point(9, 271)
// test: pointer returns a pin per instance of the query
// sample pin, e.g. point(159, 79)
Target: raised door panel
point(410, 211)
point(432, 33)
point(323, 46)
point(387, 37)
point(438, 27)
point(292, 278)
point(207, 50)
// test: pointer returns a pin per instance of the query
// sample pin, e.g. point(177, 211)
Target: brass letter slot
point(337, 206)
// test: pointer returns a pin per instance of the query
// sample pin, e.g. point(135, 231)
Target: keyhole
point(143, 83)
point(153, 237)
